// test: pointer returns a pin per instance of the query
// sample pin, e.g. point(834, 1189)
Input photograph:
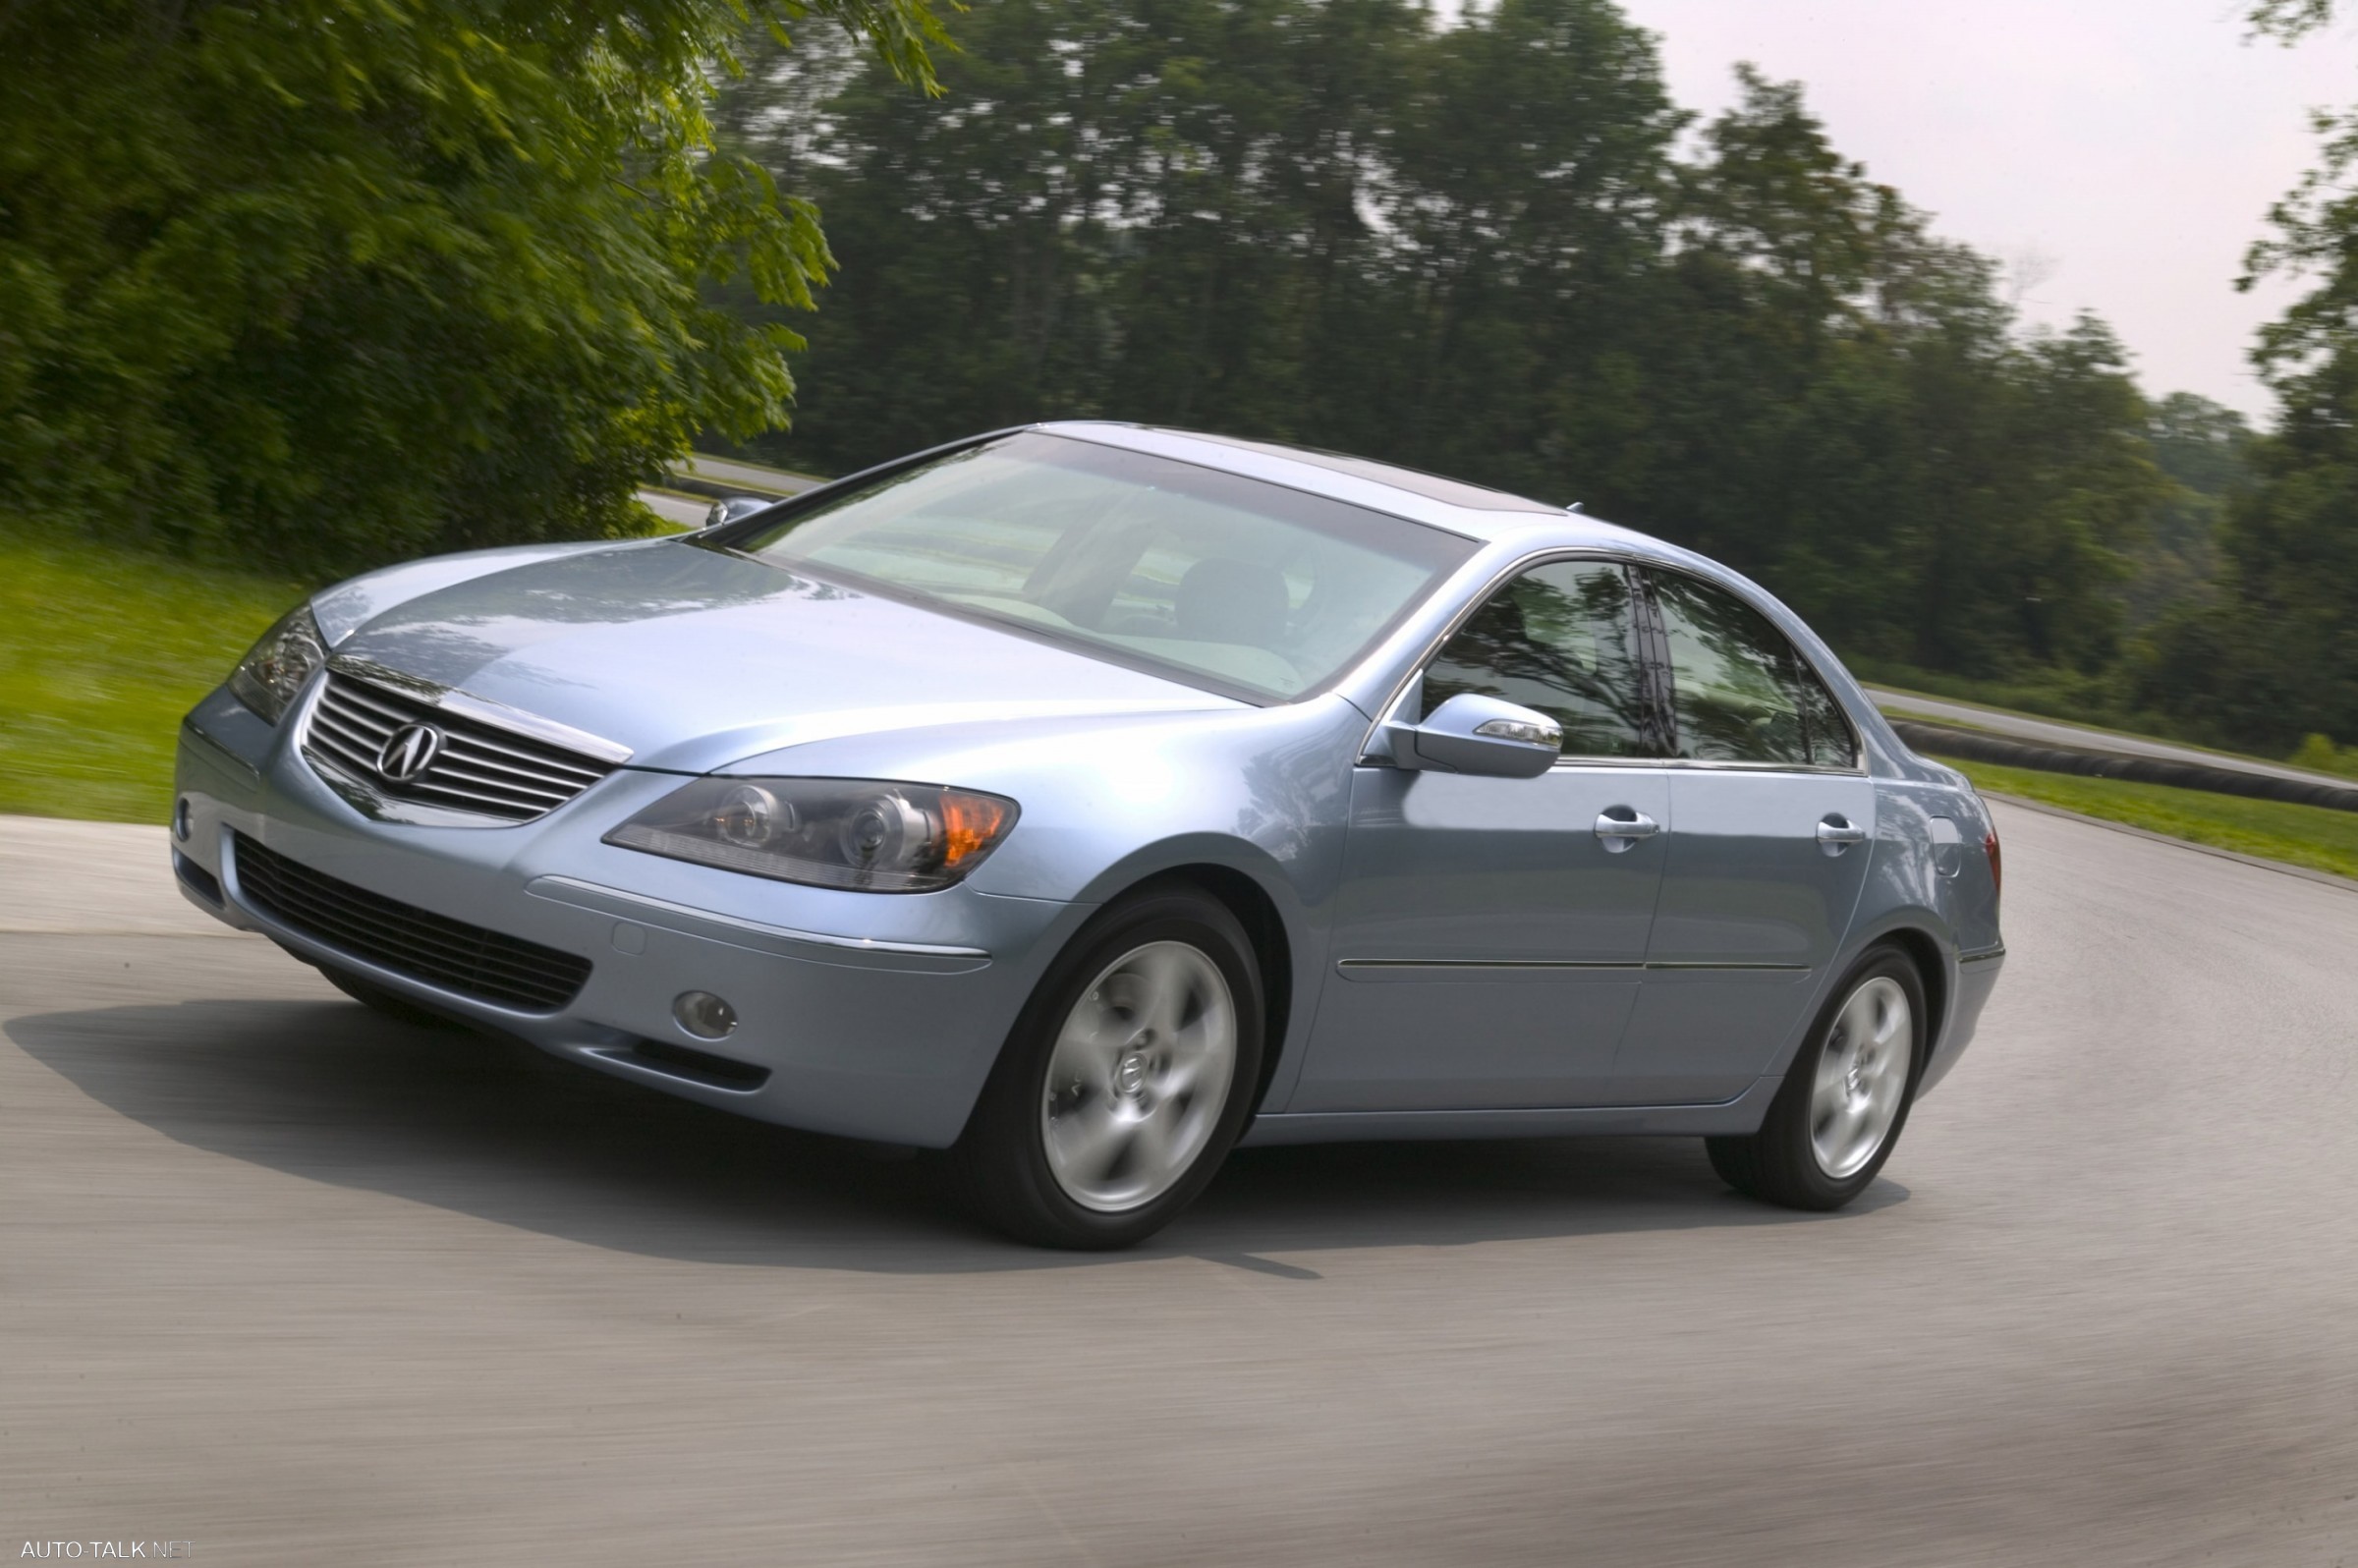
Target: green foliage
point(2204, 450)
point(2319, 751)
point(1475, 249)
point(102, 650)
point(336, 281)
point(2274, 656)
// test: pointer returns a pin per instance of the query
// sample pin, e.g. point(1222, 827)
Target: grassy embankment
point(2300, 835)
point(101, 651)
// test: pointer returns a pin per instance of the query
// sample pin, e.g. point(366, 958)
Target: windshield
point(1222, 580)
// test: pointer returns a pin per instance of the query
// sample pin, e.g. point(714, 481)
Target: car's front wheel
point(1845, 1097)
point(1127, 1078)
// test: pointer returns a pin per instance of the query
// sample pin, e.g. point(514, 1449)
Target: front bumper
point(872, 1015)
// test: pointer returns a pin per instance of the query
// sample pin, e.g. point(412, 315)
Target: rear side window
point(1558, 638)
point(1739, 690)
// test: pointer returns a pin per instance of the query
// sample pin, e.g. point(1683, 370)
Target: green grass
point(101, 651)
point(2313, 836)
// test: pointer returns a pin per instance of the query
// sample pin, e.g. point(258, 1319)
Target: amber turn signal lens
point(970, 825)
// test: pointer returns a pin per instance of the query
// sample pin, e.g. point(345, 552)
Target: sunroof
point(1431, 486)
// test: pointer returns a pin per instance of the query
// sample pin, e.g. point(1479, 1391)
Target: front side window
point(1739, 690)
point(1559, 640)
point(1211, 576)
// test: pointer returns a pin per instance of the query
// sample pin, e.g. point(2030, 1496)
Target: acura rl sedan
point(1088, 798)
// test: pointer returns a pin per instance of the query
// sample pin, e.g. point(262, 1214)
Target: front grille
point(452, 954)
point(479, 768)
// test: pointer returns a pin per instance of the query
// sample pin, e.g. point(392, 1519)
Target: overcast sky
point(2133, 144)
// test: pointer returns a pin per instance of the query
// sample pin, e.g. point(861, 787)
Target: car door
point(1775, 824)
point(1490, 933)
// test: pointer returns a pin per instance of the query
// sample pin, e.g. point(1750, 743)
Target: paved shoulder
point(59, 876)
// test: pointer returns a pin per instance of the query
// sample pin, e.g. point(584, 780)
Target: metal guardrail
point(1980, 746)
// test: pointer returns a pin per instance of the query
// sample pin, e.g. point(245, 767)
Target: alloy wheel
point(1139, 1075)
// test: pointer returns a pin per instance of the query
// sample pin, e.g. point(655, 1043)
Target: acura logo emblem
point(409, 752)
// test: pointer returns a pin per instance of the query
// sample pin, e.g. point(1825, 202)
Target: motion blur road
point(302, 1286)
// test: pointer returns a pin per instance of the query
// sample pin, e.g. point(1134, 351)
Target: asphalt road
point(2078, 737)
point(687, 512)
point(301, 1286)
point(757, 478)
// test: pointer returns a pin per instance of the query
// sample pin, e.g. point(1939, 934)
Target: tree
point(2204, 450)
point(2275, 657)
point(1473, 248)
point(336, 281)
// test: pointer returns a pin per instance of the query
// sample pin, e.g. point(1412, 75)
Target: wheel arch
point(1922, 949)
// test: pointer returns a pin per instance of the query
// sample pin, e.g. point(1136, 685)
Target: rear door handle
point(1837, 833)
point(1621, 826)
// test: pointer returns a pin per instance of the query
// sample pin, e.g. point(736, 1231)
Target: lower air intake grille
point(452, 954)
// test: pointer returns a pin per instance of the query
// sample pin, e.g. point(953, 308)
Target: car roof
point(1473, 511)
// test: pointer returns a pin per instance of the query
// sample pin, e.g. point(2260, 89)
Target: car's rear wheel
point(1127, 1078)
point(1844, 1099)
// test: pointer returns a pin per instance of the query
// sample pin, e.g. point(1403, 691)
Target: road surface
point(2078, 737)
point(759, 478)
point(302, 1286)
point(687, 511)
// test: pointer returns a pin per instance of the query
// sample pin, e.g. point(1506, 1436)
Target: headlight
point(830, 832)
point(274, 669)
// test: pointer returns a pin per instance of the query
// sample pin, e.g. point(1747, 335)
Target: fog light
point(180, 820)
point(704, 1015)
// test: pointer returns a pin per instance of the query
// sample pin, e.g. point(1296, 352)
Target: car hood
point(693, 657)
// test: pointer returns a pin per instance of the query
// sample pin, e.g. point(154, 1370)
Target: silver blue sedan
point(1088, 798)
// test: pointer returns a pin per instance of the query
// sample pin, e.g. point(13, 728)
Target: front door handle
point(1621, 826)
point(1837, 833)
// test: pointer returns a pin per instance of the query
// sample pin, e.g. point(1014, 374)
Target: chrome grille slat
point(360, 742)
point(519, 777)
point(364, 718)
point(456, 781)
point(325, 726)
point(358, 694)
point(469, 960)
point(502, 775)
point(431, 787)
point(354, 762)
point(353, 728)
point(590, 772)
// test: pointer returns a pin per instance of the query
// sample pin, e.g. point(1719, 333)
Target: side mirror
point(1482, 735)
point(734, 507)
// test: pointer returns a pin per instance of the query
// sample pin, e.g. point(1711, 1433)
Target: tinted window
point(1557, 639)
point(1206, 573)
point(1740, 692)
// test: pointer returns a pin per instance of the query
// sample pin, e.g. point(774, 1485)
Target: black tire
point(1003, 1158)
point(1782, 1163)
point(377, 1000)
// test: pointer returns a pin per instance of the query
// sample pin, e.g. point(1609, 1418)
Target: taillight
point(1997, 868)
